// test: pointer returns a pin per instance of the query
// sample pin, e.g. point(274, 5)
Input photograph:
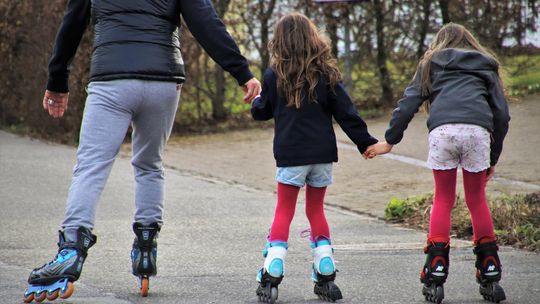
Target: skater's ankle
point(438, 239)
point(484, 240)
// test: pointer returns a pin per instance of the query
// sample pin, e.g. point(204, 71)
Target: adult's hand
point(55, 103)
point(252, 88)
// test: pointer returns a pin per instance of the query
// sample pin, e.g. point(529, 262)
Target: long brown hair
point(451, 35)
point(300, 55)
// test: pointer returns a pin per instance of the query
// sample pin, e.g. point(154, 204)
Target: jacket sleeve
point(210, 32)
point(261, 107)
point(347, 117)
point(407, 106)
point(501, 117)
point(69, 36)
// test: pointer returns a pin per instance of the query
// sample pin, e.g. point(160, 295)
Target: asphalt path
point(210, 246)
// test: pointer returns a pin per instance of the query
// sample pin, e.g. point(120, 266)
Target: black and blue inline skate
point(435, 271)
point(489, 271)
point(144, 254)
point(271, 274)
point(324, 271)
point(55, 279)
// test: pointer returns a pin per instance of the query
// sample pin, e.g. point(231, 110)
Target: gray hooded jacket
point(465, 88)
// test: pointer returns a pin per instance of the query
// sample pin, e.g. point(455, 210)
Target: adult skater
point(135, 78)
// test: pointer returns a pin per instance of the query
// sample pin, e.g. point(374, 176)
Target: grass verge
point(516, 218)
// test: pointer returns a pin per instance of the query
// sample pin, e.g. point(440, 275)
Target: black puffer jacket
point(139, 39)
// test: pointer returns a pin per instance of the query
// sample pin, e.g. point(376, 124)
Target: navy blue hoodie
point(306, 135)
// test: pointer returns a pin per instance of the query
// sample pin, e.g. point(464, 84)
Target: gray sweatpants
point(111, 106)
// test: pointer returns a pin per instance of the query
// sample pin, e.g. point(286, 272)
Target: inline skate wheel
point(273, 294)
point(52, 296)
point(267, 294)
point(144, 287)
point(68, 292)
point(40, 297)
point(439, 294)
point(28, 298)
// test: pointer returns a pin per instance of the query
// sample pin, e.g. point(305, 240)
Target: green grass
point(515, 218)
point(521, 74)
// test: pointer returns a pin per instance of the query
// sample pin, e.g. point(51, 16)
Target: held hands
point(55, 103)
point(377, 149)
point(252, 88)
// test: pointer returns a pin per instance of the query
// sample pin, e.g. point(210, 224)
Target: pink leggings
point(286, 204)
point(445, 197)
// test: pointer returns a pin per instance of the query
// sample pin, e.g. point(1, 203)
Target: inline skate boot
point(435, 271)
point(488, 272)
point(55, 279)
point(144, 254)
point(324, 271)
point(271, 274)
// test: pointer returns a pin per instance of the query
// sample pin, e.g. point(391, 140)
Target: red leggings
point(286, 204)
point(445, 197)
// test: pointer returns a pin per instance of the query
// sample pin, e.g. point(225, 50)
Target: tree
point(382, 55)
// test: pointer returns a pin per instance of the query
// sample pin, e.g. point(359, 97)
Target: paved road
point(210, 247)
point(362, 186)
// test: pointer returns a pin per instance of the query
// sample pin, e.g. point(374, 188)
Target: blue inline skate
point(324, 271)
point(489, 271)
point(55, 279)
point(271, 274)
point(144, 254)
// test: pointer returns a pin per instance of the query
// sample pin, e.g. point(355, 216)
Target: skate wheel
point(144, 287)
point(52, 296)
point(40, 297)
point(439, 294)
point(273, 294)
point(68, 292)
point(28, 298)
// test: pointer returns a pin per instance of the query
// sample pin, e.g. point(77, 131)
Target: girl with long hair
point(302, 92)
point(458, 80)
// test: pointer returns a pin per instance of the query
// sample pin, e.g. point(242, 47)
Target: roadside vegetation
point(516, 217)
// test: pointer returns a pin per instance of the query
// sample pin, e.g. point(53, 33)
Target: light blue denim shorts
point(316, 175)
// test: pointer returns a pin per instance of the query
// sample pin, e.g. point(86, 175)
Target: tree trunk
point(384, 76)
point(443, 4)
point(219, 113)
point(331, 28)
point(264, 18)
point(347, 57)
point(424, 27)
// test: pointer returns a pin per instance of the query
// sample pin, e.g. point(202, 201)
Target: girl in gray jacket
point(458, 81)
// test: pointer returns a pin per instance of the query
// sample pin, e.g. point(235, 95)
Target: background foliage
point(377, 42)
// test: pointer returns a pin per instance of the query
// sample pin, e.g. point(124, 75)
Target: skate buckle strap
point(323, 260)
point(146, 235)
point(84, 240)
point(274, 263)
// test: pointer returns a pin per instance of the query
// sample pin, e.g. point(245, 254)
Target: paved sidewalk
point(365, 187)
point(210, 248)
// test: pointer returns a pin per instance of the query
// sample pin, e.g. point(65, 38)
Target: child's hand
point(377, 149)
point(490, 173)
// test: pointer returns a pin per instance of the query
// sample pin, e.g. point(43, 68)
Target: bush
point(27, 32)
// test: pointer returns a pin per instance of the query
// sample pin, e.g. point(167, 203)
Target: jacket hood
point(460, 59)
